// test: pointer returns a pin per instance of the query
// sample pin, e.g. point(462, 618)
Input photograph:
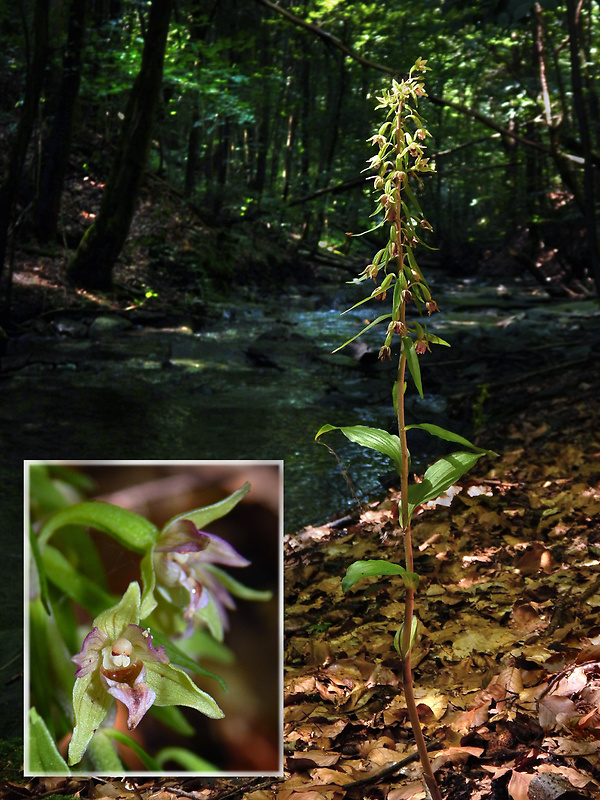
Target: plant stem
point(409, 602)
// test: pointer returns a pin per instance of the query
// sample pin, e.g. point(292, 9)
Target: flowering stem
point(405, 521)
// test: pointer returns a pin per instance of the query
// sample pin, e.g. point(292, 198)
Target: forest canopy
point(260, 112)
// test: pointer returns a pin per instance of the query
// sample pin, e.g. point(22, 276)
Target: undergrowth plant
point(89, 648)
point(399, 165)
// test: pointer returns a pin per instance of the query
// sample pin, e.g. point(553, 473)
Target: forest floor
point(507, 660)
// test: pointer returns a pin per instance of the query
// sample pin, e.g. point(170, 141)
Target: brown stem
point(409, 602)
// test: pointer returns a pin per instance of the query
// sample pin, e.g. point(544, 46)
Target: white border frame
point(26, 590)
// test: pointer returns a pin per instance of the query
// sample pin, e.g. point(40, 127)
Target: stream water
point(258, 382)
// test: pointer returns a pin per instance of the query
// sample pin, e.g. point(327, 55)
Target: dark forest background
point(250, 120)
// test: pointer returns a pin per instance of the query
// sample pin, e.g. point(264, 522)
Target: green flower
point(119, 661)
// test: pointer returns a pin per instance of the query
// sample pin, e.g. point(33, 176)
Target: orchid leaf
point(43, 753)
point(440, 476)
point(376, 568)
point(130, 529)
point(412, 361)
point(370, 325)
point(448, 436)
point(373, 438)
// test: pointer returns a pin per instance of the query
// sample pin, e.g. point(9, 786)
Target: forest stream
point(259, 379)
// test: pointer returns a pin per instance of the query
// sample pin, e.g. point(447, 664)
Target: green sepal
point(377, 567)
point(91, 703)
point(114, 620)
point(412, 361)
point(202, 645)
point(433, 339)
point(440, 476)
point(203, 516)
point(43, 754)
point(373, 438)
point(130, 529)
point(174, 687)
point(209, 614)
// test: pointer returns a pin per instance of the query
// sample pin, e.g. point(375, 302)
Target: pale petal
point(219, 552)
point(88, 659)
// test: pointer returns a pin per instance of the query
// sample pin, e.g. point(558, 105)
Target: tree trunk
point(33, 90)
point(57, 146)
point(93, 263)
point(589, 206)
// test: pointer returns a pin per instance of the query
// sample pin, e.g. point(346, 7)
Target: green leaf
point(412, 361)
point(377, 567)
point(43, 752)
point(440, 476)
point(131, 530)
point(370, 325)
point(102, 755)
point(37, 557)
point(433, 339)
point(188, 760)
point(411, 197)
point(373, 438)
point(449, 436)
point(173, 718)
point(201, 645)
point(203, 516)
point(75, 585)
point(150, 763)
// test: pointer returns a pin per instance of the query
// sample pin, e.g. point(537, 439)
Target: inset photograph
point(153, 637)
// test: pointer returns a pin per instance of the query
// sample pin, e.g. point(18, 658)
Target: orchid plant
point(139, 650)
point(400, 163)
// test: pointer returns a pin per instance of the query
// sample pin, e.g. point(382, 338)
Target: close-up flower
point(119, 661)
point(185, 562)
